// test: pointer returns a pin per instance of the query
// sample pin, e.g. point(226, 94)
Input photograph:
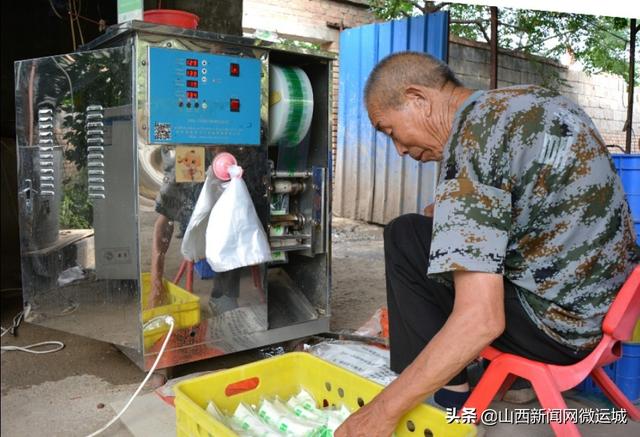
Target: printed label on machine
point(203, 98)
point(190, 164)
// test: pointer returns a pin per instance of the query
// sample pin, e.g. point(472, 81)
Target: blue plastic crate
point(589, 386)
point(628, 371)
point(634, 204)
point(628, 167)
point(203, 269)
point(625, 373)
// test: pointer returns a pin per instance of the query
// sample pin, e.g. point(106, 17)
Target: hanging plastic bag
point(235, 237)
point(193, 241)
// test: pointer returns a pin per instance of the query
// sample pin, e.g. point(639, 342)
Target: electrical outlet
point(116, 255)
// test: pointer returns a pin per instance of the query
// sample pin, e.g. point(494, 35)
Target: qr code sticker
point(162, 131)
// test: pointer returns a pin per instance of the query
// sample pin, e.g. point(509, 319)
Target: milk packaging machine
point(114, 142)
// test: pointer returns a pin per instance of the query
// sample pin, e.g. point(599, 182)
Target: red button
point(235, 70)
point(235, 105)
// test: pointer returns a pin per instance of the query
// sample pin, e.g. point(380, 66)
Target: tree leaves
point(600, 44)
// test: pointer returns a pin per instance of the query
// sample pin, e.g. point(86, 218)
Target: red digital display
point(192, 94)
point(192, 83)
point(192, 73)
point(234, 70)
point(192, 62)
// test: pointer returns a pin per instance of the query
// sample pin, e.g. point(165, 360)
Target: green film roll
point(290, 105)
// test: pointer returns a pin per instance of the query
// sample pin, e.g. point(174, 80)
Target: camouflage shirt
point(528, 190)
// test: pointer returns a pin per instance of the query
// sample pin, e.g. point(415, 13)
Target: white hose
point(57, 345)
point(169, 321)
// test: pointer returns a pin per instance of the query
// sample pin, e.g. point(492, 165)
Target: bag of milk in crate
point(298, 417)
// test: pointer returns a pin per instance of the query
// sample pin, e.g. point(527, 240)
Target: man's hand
point(159, 294)
point(162, 232)
point(428, 210)
point(369, 420)
point(476, 320)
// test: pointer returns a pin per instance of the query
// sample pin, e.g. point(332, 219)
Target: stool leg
point(506, 386)
point(551, 399)
point(190, 276)
point(183, 266)
point(257, 282)
point(612, 391)
point(487, 388)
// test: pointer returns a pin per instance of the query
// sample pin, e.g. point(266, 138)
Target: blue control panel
point(202, 98)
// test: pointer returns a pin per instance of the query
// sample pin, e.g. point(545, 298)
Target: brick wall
point(602, 96)
point(306, 19)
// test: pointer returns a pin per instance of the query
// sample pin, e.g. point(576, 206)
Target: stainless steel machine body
point(98, 132)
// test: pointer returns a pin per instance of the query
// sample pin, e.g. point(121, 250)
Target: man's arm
point(162, 233)
point(476, 320)
point(428, 210)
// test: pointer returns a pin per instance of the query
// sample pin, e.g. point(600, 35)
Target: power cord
point(14, 324)
point(169, 321)
point(32, 348)
point(58, 345)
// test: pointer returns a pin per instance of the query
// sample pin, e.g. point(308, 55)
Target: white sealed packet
point(297, 417)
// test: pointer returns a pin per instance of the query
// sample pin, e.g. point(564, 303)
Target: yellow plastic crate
point(284, 376)
point(635, 337)
point(184, 307)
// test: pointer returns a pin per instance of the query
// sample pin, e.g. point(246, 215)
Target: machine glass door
point(199, 106)
point(215, 312)
point(78, 225)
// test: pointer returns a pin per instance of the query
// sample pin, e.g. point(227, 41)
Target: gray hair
point(390, 77)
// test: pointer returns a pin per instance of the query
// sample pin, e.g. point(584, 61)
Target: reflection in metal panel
point(373, 183)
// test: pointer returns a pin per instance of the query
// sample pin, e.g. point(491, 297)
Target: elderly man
point(530, 240)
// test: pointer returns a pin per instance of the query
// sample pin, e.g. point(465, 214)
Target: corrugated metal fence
point(373, 183)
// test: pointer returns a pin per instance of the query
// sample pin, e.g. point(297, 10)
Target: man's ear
point(419, 96)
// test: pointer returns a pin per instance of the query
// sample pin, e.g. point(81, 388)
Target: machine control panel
point(203, 98)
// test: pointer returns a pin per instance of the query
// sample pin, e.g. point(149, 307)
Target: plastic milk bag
point(193, 242)
point(235, 237)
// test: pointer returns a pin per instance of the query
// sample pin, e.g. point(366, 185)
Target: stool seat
point(550, 380)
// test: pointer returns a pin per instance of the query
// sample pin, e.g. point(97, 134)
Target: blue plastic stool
point(203, 269)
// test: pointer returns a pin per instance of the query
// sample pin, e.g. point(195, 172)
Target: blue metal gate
point(373, 183)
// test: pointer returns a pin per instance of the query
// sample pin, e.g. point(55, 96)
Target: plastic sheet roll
point(290, 105)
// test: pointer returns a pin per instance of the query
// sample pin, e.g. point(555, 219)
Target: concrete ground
point(78, 389)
